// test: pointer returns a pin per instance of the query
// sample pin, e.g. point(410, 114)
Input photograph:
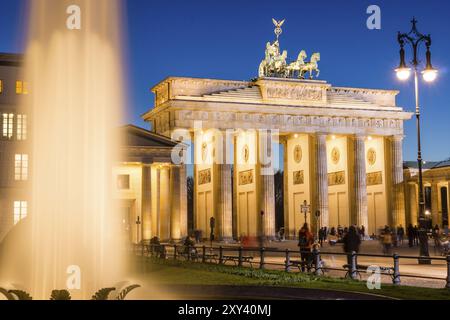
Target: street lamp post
point(305, 207)
point(138, 224)
point(415, 38)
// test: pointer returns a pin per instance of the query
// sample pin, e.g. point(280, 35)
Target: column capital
point(360, 136)
point(397, 138)
point(321, 134)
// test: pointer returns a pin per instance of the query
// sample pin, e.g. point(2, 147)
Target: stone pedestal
point(322, 179)
point(360, 182)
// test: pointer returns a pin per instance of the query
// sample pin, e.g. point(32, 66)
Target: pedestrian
point(198, 236)
point(305, 242)
point(321, 236)
point(333, 231)
point(410, 234)
point(352, 242)
point(400, 234)
point(387, 240)
point(416, 235)
point(436, 231)
point(363, 232)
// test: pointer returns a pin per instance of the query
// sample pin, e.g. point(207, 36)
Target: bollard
point(204, 254)
point(318, 269)
point(261, 260)
point(220, 255)
point(240, 257)
point(396, 275)
point(353, 267)
point(447, 286)
point(175, 252)
point(287, 262)
point(189, 253)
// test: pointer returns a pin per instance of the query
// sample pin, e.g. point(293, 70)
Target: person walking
point(305, 242)
point(321, 236)
point(387, 240)
point(416, 235)
point(400, 234)
point(410, 234)
point(352, 242)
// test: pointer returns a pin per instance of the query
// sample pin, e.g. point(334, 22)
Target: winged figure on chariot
point(275, 64)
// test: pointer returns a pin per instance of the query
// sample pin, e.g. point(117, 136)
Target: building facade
point(342, 152)
point(341, 147)
point(14, 151)
point(148, 186)
point(436, 180)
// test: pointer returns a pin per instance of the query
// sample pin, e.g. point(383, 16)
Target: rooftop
point(11, 59)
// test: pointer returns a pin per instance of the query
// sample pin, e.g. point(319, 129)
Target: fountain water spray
point(73, 65)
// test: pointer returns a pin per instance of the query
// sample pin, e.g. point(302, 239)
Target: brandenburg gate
point(341, 147)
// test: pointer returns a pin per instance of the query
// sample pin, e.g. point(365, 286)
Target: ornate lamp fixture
point(429, 74)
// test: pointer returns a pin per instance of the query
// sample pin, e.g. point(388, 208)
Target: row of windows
point(11, 124)
point(21, 87)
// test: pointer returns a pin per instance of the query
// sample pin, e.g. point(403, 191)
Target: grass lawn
point(168, 272)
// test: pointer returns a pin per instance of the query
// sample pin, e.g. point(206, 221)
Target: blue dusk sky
point(226, 40)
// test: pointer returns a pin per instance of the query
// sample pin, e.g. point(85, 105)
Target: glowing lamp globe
point(403, 73)
point(429, 74)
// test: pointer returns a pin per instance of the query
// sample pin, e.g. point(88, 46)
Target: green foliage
point(21, 295)
point(103, 294)
point(6, 293)
point(60, 295)
point(126, 291)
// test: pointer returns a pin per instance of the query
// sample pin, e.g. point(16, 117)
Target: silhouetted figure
point(352, 242)
point(305, 242)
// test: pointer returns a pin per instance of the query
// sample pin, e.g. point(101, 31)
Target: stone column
point(267, 181)
point(165, 203)
point(322, 179)
point(398, 191)
point(156, 203)
point(175, 214)
point(413, 204)
point(225, 212)
point(362, 218)
point(289, 228)
point(435, 204)
point(183, 202)
point(146, 231)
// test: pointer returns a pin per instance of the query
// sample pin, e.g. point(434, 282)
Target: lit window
point(123, 182)
point(21, 87)
point(1, 86)
point(21, 127)
point(21, 167)
point(20, 210)
point(8, 122)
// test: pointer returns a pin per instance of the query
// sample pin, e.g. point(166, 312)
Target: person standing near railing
point(352, 242)
point(305, 242)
